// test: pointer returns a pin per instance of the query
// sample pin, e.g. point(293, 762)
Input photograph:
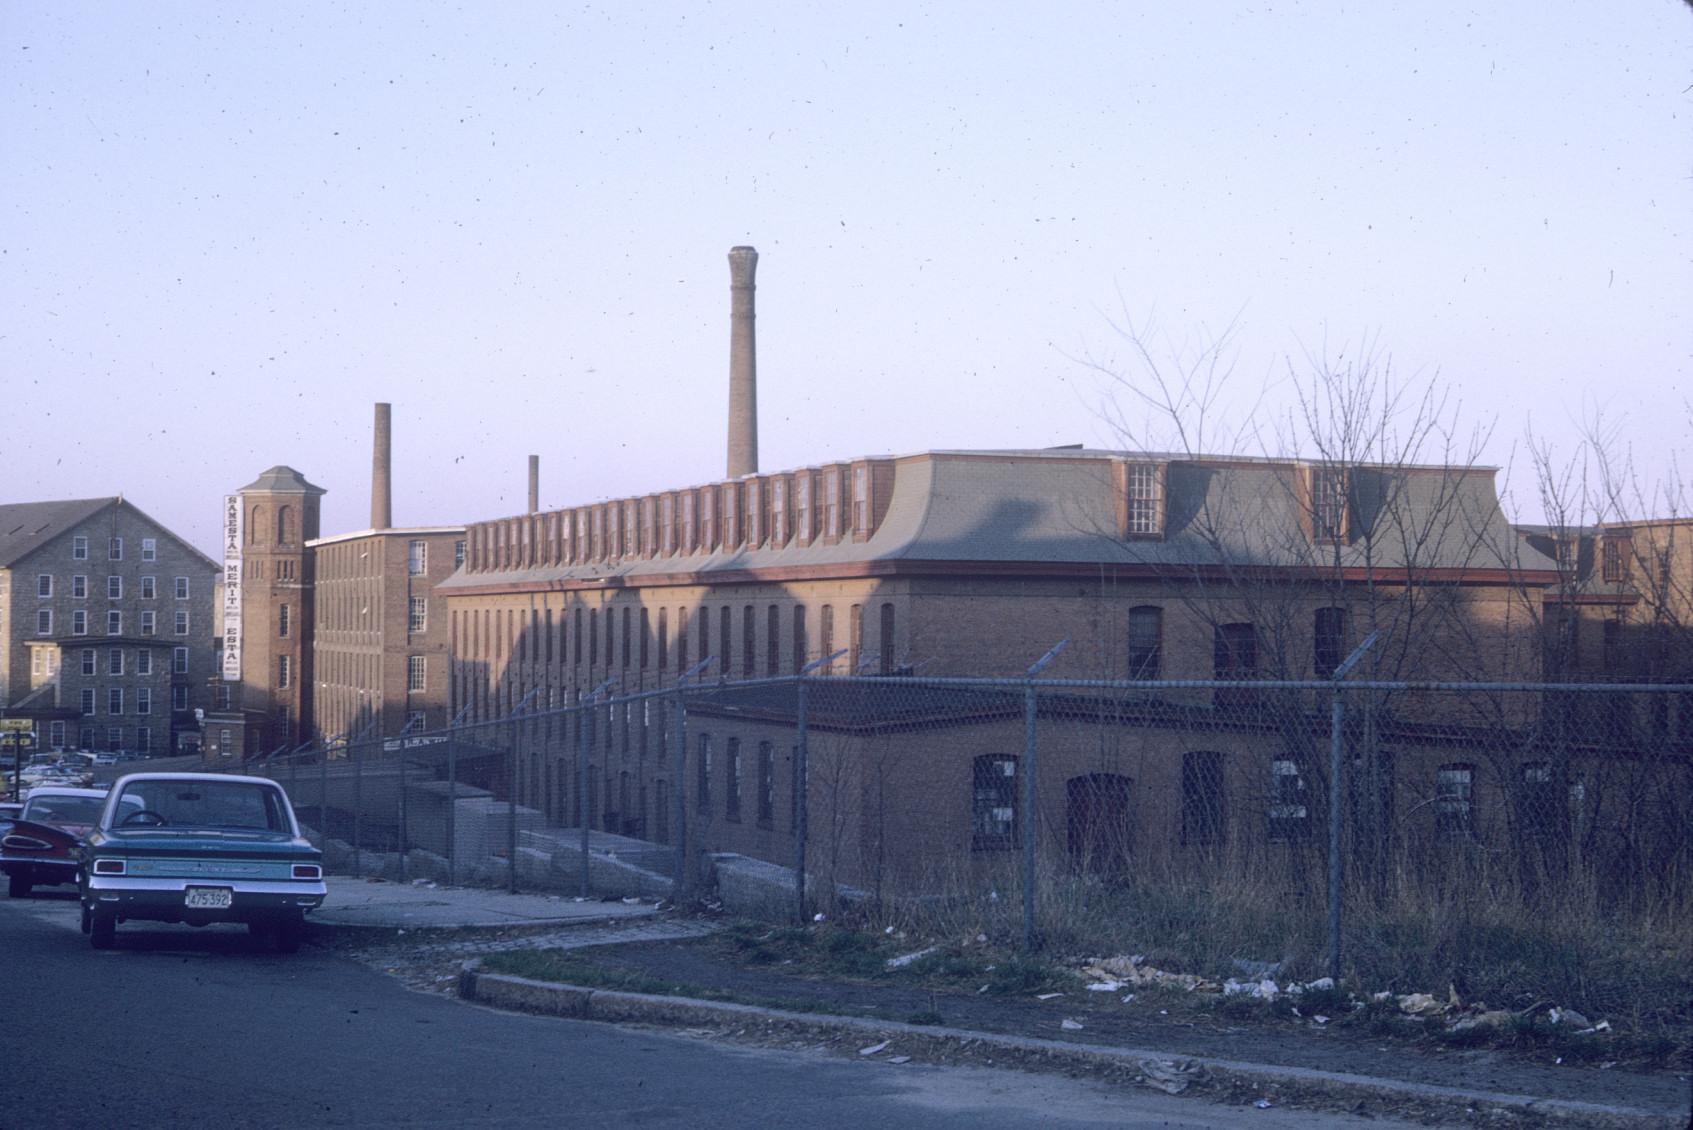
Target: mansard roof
point(1063, 509)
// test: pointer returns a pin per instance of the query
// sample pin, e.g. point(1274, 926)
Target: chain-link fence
point(1027, 806)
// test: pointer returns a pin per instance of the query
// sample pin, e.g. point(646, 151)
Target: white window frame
point(114, 587)
point(149, 622)
point(417, 558)
point(149, 588)
point(44, 586)
point(179, 661)
point(149, 549)
point(417, 614)
point(114, 701)
point(144, 700)
point(144, 661)
point(417, 674)
point(79, 621)
point(86, 702)
point(43, 621)
point(181, 588)
point(79, 586)
point(1143, 499)
point(114, 549)
point(114, 621)
point(79, 547)
point(180, 622)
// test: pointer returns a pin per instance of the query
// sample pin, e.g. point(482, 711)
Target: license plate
point(208, 898)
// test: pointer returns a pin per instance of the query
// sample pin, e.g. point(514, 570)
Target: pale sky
point(227, 229)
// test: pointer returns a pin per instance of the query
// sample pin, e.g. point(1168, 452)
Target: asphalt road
point(187, 1028)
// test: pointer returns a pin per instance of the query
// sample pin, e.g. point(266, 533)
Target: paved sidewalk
point(355, 904)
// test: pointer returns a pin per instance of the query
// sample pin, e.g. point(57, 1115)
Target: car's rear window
point(204, 804)
point(64, 809)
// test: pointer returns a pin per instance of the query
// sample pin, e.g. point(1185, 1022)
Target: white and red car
point(39, 849)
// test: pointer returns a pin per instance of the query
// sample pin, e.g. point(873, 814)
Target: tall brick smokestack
point(534, 483)
point(743, 365)
point(382, 472)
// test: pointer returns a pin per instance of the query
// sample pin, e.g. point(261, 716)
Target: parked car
point(199, 848)
point(9, 810)
point(39, 849)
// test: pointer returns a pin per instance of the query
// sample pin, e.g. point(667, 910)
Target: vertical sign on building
point(232, 588)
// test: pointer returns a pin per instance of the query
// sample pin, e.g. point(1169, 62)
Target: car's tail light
point(24, 843)
point(307, 871)
point(109, 867)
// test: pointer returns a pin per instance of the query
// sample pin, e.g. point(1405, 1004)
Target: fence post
point(1030, 827)
point(1337, 765)
point(583, 714)
point(1031, 794)
point(452, 807)
point(678, 797)
point(358, 802)
point(511, 806)
point(1337, 722)
point(404, 836)
point(802, 765)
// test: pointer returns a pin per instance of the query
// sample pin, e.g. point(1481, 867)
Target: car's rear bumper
point(41, 872)
point(163, 900)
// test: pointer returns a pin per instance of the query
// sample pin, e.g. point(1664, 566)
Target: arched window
point(287, 529)
point(255, 527)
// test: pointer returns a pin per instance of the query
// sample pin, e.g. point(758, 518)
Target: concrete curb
point(1221, 1079)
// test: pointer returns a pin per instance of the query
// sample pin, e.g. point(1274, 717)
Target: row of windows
point(121, 662)
point(1545, 802)
point(629, 637)
point(417, 672)
point(764, 795)
point(114, 622)
point(811, 505)
point(114, 548)
point(143, 700)
point(638, 639)
point(44, 583)
point(139, 740)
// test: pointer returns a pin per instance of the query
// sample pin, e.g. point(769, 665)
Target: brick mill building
point(106, 627)
point(341, 636)
point(973, 564)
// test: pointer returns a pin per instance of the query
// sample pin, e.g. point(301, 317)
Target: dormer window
point(1143, 499)
point(689, 528)
point(755, 513)
point(861, 501)
point(1615, 551)
point(708, 519)
point(803, 511)
point(1328, 504)
point(779, 511)
point(831, 504)
point(731, 515)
